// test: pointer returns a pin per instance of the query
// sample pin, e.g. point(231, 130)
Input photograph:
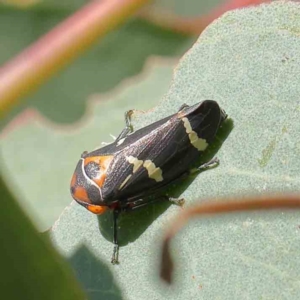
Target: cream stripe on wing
point(125, 181)
point(198, 143)
point(153, 171)
point(136, 162)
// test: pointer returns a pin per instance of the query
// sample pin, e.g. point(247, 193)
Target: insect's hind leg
point(184, 105)
point(141, 202)
point(128, 129)
point(210, 164)
point(176, 201)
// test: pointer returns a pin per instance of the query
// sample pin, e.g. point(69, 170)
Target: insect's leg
point(210, 164)
point(128, 129)
point(177, 201)
point(115, 256)
point(184, 105)
point(141, 202)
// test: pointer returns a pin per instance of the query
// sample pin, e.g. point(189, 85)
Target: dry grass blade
point(212, 208)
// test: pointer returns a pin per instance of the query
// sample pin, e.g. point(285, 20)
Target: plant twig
point(213, 208)
point(65, 42)
point(192, 25)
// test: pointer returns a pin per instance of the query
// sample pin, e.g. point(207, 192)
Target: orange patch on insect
point(103, 162)
point(81, 194)
point(96, 209)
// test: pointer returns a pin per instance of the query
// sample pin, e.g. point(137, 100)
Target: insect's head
point(88, 180)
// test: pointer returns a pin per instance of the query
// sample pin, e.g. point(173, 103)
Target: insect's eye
point(92, 170)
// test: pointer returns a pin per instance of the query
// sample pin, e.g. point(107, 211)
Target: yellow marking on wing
point(125, 181)
point(198, 143)
point(153, 171)
point(136, 162)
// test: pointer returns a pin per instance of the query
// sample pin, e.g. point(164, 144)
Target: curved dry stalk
point(192, 25)
point(213, 208)
point(61, 45)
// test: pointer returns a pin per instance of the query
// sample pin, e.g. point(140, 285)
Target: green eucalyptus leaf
point(249, 62)
point(30, 267)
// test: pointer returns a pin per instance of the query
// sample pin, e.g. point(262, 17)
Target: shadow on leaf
point(94, 275)
point(132, 224)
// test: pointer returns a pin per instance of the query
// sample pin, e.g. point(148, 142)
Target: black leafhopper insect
point(122, 175)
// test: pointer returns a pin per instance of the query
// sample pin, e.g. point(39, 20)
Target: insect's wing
point(128, 163)
point(165, 152)
point(174, 148)
point(205, 118)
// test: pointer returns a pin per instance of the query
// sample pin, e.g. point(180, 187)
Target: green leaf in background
point(40, 158)
point(249, 62)
point(30, 267)
point(119, 55)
